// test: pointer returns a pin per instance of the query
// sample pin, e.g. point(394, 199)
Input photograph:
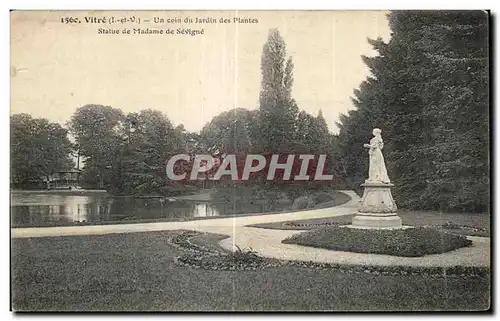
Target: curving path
point(267, 242)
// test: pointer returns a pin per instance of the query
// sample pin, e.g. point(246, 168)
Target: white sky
point(60, 67)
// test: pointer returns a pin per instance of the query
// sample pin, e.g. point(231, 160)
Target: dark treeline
point(428, 92)
point(38, 148)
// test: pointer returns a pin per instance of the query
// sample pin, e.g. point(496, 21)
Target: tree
point(426, 85)
point(144, 154)
point(230, 132)
point(278, 111)
point(456, 107)
point(38, 149)
point(98, 131)
point(312, 134)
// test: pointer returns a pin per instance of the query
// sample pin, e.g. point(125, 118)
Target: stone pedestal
point(377, 208)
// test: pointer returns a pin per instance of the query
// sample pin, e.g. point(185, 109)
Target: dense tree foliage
point(428, 92)
point(127, 154)
point(146, 146)
point(231, 131)
point(98, 132)
point(38, 149)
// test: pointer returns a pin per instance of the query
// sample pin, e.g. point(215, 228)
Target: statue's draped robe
point(378, 172)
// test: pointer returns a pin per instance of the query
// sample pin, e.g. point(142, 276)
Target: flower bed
point(201, 257)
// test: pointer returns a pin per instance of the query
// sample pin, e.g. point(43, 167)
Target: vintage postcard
point(250, 161)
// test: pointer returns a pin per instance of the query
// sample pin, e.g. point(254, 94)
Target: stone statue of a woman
point(377, 172)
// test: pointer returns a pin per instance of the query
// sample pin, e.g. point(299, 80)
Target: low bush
point(247, 256)
point(322, 197)
point(302, 203)
point(245, 193)
point(408, 242)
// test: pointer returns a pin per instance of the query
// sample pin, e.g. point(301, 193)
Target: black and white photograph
point(250, 161)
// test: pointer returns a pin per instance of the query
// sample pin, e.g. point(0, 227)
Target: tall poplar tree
point(278, 111)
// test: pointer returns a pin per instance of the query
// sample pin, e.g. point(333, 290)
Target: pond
point(42, 209)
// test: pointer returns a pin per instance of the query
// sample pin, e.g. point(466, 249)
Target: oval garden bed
point(412, 242)
point(202, 251)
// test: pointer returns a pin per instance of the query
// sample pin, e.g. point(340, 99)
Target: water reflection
point(29, 209)
point(203, 210)
point(40, 209)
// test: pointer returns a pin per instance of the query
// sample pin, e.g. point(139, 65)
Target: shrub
point(409, 242)
point(243, 256)
point(322, 197)
point(303, 202)
point(249, 192)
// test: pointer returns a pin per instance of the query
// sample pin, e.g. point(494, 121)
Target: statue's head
point(377, 131)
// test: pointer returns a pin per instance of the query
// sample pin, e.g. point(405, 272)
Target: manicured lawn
point(477, 224)
point(136, 272)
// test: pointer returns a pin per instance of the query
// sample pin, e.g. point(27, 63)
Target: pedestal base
point(374, 221)
point(377, 208)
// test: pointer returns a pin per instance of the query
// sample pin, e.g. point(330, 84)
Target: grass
point(136, 272)
point(411, 242)
point(474, 224)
